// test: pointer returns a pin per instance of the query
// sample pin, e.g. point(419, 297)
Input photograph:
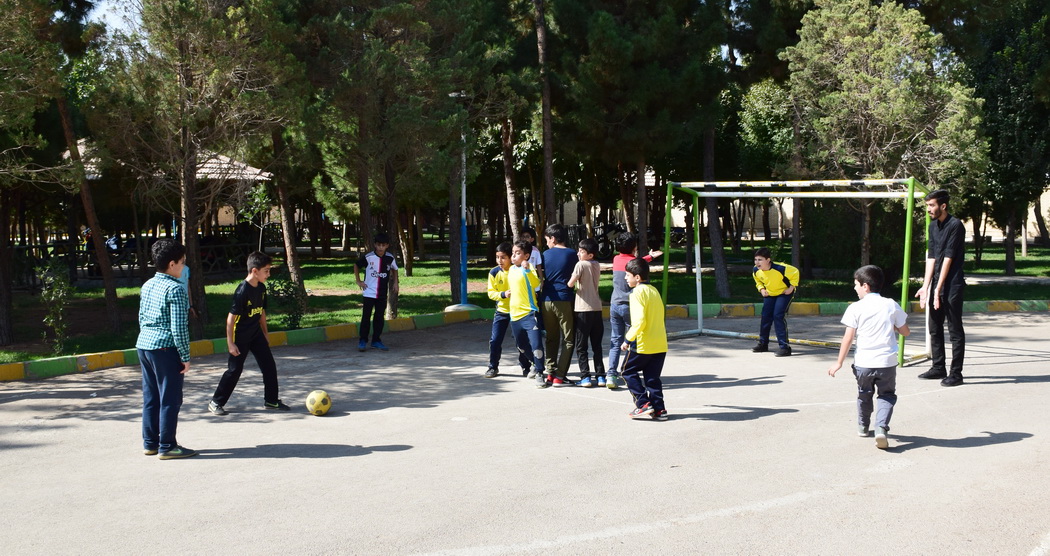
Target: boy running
point(649, 337)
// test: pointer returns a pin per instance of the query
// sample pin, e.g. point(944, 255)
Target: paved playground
point(422, 455)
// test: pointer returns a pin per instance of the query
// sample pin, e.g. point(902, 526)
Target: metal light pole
point(463, 305)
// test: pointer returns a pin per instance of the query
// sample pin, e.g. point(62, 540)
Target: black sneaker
point(216, 408)
point(934, 374)
point(952, 380)
point(525, 371)
point(760, 348)
point(783, 352)
point(659, 415)
point(492, 372)
point(178, 452)
point(276, 405)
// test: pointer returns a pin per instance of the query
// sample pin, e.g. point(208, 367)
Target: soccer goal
point(906, 189)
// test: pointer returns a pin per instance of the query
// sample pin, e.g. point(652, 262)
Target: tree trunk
point(548, 148)
point(366, 225)
point(767, 229)
point(642, 208)
point(714, 232)
point(796, 236)
point(98, 236)
point(7, 330)
point(420, 247)
point(455, 239)
point(1009, 244)
point(865, 235)
point(513, 211)
point(1040, 222)
point(398, 239)
point(295, 273)
point(978, 237)
point(625, 194)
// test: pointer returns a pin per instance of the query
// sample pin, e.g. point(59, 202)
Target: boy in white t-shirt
point(875, 321)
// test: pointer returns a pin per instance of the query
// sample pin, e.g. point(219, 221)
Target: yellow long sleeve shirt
point(499, 288)
point(778, 278)
point(522, 286)
point(647, 320)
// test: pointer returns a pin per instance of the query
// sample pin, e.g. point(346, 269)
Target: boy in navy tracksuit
point(776, 282)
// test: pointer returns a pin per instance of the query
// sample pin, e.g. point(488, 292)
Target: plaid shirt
point(164, 316)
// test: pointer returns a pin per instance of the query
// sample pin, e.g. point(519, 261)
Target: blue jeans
point(162, 380)
point(527, 335)
point(774, 314)
point(649, 388)
point(500, 324)
point(619, 322)
point(868, 380)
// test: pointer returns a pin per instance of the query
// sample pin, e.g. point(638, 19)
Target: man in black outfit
point(944, 271)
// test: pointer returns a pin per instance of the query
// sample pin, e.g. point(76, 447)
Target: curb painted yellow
point(803, 308)
point(201, 347)
point(913, 307)
point(12, 371)
point(340, 332)
point(401, 325)
point(455, 316)
point(1001, 306)
point(96, 361)
point(738, 310)
point(278, 339)
point(676, 312)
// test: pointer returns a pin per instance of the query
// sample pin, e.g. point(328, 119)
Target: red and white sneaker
point(641, 412)
point(659, 415)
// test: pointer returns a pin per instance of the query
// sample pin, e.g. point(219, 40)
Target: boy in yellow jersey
point(499, 291)
point(649, 338)
point(776, 282)
point(246, 332)
point(524, 311)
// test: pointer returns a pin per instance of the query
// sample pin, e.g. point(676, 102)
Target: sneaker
point(379, 345)
point(362, 345)
point(783, 352)
point(492, 372)
point(178, 452)
point(277, 405)
point(641, 412)
point(863, 431)
point(760, 348)
point(660, 415)
point(541, 382)
point(149, 452)
point(881, 442)
point(952, 380)
point(525, 372)
point(562, 381)
point(934, 374)
point(601, 381)
point(532, 373)
point(216, 408)
point(610, 382)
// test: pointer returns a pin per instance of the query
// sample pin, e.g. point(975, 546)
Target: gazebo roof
point(210, 166)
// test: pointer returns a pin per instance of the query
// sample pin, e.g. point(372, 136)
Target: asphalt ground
point(421, 454)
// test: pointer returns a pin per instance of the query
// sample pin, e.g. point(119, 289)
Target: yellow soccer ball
point(318, 402)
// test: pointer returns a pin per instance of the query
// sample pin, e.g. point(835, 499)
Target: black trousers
point(260, 349)
point(590, 328)
point(368, 305)
point(951, 311)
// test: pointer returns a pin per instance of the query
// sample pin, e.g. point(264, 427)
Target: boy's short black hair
point(626, 243)
point(259, 260)
point(165, 252)
point(589, 245)
point(556, 231)
point(940, 194)
point(870, 275)
point(525, 246)
point(381, 237)
point(639, 268)
point(530, 231)
point(764, 252)
point(505, 248)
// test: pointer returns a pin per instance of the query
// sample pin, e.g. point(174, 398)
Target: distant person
point(590, 324)
point(164, 351)
point(558, 303)
point(246, 331)
point(776, 282)
point(645, 343)
point(524, 311)
point(875, 322)
point(535, 257)
point(942, 289)
point(499, 291)
point(619, 304)
point(378, 266)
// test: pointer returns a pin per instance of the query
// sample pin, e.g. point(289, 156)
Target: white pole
point(699, 289)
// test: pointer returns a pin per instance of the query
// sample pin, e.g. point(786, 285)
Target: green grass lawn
point(335, 299)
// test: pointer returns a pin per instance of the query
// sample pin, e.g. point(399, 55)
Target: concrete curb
point(56, 366)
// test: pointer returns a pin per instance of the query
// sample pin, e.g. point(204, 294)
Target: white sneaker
point(881, 442)
point(216, 408)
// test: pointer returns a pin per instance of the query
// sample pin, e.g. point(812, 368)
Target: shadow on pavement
point(905, 443)
point(714, 381)
point(305, 451)
point(739, 413)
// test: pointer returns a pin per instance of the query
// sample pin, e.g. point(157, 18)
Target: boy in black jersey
point(246, 332)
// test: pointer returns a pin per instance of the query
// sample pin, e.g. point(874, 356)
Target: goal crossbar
point(907, 189)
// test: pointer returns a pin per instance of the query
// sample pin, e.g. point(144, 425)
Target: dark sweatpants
point(590, 328)
point(260, 349)
point(650, 365)
point(368, 305)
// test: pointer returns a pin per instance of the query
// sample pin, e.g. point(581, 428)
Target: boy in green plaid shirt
point(164, 351)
